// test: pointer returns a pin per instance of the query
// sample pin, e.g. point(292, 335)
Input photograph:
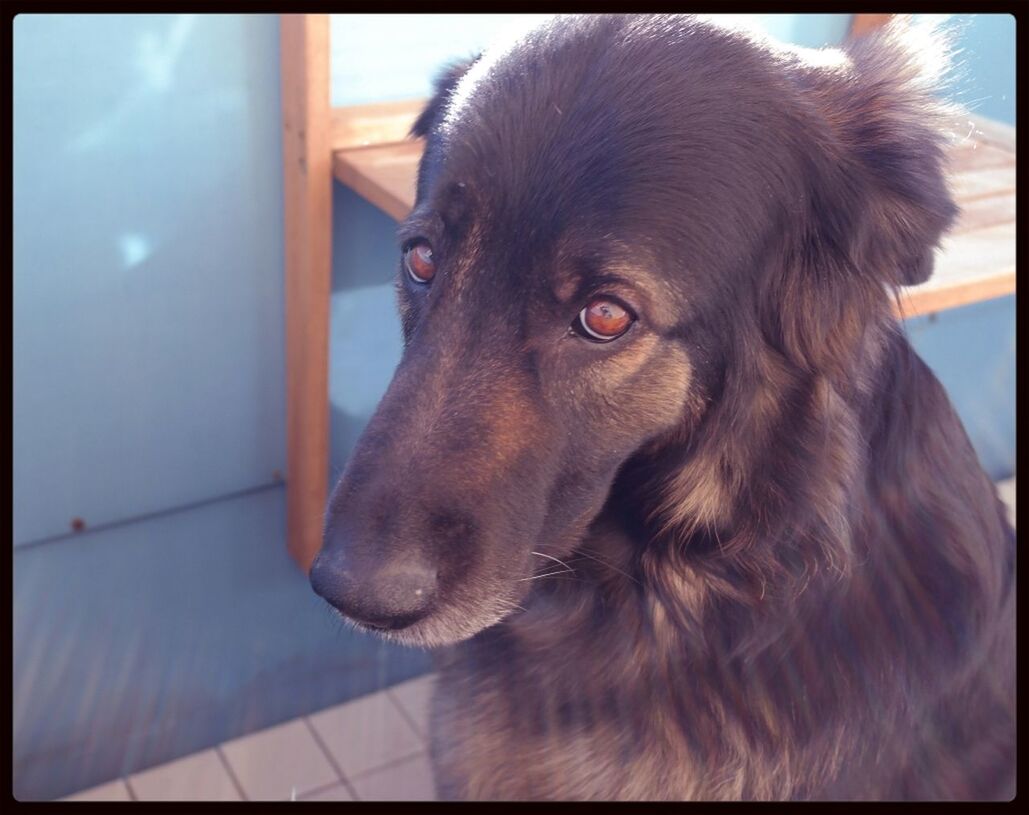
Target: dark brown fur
point(744, 552)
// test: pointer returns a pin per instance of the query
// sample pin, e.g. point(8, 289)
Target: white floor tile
point(199, 777)
point(337, 792)
point(111, 791)
point(409, 780)
point(414, 697)
point(276, 763)
point(366, 734)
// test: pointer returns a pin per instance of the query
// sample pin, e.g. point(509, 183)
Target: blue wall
point(149, 381)
point(148, 334)
point(384, 56)
point(148, 371)
point(983, 78)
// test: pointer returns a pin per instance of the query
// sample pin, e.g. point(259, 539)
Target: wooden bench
point(366, 148)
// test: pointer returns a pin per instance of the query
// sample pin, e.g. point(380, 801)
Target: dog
point(659, 474)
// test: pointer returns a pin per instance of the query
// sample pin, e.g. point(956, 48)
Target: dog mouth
point(376, 627)
point(380, 627)
point(391, 631)
point(444, 627)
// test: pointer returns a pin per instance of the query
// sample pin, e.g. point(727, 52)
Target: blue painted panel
point(148, 295)
point(377, 57)
point(135, 645)
point(983, 78)
point(365, 335)
point(808, 30)
point(972, 352)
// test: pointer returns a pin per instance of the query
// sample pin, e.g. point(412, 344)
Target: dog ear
point(875, 201)
point(444, 85)
point(887, 116)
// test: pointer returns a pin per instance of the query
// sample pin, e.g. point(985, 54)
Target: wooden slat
point(385, 175)
point(984, 251)
point(307, 181)
point(981, 213)
point(373, 124)
point(981, 183)
point(861, 24)
point(970, 154)
point(974, 266)
point(941, 296)
point(990, 131)
point(977, 261)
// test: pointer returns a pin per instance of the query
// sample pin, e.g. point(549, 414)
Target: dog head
point(608, 210)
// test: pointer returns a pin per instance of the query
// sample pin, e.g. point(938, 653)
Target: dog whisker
point(609, 564)
point(547, 574)
point(556, 560)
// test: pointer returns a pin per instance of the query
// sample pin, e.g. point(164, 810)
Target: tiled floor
point(369, 749)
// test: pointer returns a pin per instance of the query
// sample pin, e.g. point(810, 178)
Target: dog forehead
point(618, 126)
point(593, 122)
point(529, 129)
point(498, 257)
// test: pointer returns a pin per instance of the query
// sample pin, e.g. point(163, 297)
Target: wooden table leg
point(862, 24)
point(307, 187)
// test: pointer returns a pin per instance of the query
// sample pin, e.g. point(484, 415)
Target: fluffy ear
point(875, 199)
point(445, 83)
point(885, 112)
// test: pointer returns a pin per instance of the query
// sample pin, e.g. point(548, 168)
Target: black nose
point(388, 595)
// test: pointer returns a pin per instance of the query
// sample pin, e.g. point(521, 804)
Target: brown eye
point(419, 263)
point(604, 320)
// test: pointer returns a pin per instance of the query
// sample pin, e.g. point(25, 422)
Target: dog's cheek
point(639, 392)
point(664, 394)
point(408, 316)
point(622, 402)
point(609, 409)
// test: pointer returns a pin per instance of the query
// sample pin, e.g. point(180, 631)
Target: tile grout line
point(393, 763)
point(322, 788)
point(332, 759)
point(407, 717)
point(231, 772)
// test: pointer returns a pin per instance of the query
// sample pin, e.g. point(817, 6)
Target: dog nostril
point(328, 580)
point(391, 596)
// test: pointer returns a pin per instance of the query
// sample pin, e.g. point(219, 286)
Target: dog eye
point(419, 263)
point(604, 320)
